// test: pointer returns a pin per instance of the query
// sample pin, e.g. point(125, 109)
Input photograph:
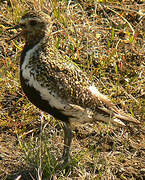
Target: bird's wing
point(70, 90)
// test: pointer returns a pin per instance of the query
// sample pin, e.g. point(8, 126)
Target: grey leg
point(67, 141)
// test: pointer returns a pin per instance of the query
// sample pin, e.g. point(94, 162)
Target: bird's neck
point(32, 46)
point(32, 40)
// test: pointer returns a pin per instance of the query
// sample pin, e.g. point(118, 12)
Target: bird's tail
point(109, 112)
point(118, 118)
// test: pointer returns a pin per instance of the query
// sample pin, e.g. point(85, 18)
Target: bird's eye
point(33, 22)
point(23, 25)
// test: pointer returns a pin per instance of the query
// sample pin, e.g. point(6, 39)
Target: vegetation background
point(104, 38)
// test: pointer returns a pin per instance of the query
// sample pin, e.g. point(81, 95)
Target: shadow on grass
point(23, 174)
point(33, 173)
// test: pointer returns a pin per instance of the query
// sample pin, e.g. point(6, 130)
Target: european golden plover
point(57, 86)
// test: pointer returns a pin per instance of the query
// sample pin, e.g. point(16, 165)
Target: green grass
point(107, 41)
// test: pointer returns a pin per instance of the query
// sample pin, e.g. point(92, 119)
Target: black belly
point(35, 98)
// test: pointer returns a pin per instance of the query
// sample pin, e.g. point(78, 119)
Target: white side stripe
point(52, 98)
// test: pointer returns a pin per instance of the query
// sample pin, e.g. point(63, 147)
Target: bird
point(56, 85)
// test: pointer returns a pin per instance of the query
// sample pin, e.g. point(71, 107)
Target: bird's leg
point(67, 141)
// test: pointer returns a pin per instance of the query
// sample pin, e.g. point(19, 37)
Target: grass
point(107, 41)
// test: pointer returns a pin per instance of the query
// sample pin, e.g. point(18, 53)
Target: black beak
point(14, 27)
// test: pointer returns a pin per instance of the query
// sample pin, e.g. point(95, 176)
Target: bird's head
point(34, 25)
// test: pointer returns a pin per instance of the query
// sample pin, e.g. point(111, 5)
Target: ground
point(105, 39)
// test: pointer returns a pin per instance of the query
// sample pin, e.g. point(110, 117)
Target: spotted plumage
point(56, 85)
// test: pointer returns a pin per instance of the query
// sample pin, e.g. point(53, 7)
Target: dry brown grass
point(107, 41)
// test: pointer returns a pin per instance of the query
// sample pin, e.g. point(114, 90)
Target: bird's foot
point(64, 164)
